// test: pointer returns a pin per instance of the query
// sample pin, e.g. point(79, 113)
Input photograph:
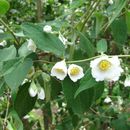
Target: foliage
point(78, 31)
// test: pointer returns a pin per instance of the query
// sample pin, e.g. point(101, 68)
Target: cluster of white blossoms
point(105, 68)
point(60, 71)
point(34, 90)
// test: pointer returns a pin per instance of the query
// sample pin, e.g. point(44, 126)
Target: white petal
point(110, 2)
point(107, 100)
point(62, 66)
point(127, 82)
point(24, 81)
point(1, 31)
point(31, 45)
point(33, 89)
point(3, 43)
point(112, 74)
point(41, 94)
point(77, 76)
point(47, 29)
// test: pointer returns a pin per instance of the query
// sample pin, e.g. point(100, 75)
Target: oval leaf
point(44, 41)
point(4, 6)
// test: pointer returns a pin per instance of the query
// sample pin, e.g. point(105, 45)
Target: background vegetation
point(92, 26)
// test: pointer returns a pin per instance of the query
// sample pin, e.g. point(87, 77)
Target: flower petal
point(59, 70)
point(33, 89)
point(41, 94)
point(75, 72)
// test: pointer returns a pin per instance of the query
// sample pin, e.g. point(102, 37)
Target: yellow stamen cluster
point(104, 65)
point(61, 71)
point(74, 71)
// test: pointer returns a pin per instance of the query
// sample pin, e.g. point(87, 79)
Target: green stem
point(84, 60)
point(7, 110)
point(72, 47)
point(16, 41)
point(92, 58)
point(90, 14)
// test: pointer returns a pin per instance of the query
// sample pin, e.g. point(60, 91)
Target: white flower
point(127, 82)
point(1, 31)
point(110, 2)
point(34, 90)
point(41, 94)
point(31, 45)
point(105, 68)
point(3, 43)
point(75, 72)
point(47, 29)
point(64, 40)
point(59, 70)
point(107, 100)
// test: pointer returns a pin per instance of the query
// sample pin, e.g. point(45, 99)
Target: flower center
point(74, 71)
point(104, 65)
point(61, 71)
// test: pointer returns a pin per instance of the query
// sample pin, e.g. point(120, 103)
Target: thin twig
point(7, 110)
point(16, 40)
point(84, 60)
point(90, 14)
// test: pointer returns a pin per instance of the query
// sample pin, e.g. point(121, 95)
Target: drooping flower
point(75, 72)
point(3, 43)
point(34, 90)
point(107, 100)
point(105, 68)
point(47, 29)
point(59, 70)
point(31, 45)
point(127, 82)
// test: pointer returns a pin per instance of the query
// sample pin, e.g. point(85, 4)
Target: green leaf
point(120, 123)
point(99, 22)
point(83, 101)
point(118, 6)
point(23, 102)
point(86, 45)
point(7, 53)
point(16, 77)
point(119, 30)
point(23, 50)
point(102, 46)
point(87, 82)
point(5, 36)
point(128, 21)
point(17, 124)
point(9, 66)
point(44, 41)
point(4, 6)
point(76, 4)
point(2, 86)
